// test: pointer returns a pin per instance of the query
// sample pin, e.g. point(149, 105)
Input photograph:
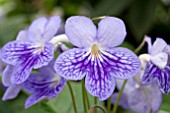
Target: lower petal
point(45, 56)
point(121, 62)
point(6, 75)
point(71, 64)
point(153, 73)
point(11, 92)
point(33, 99)
point(138, 102)
point(99, 83)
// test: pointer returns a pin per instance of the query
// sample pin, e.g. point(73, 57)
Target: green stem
point(140, 46)
point(95, 103)
point(72, 96)
point(92, 109)
point(87, 100)
point(118, 97)
point(108, 104)
point(98, 18)
point(84, 96)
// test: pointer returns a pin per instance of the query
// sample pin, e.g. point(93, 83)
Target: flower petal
point(46, 55)
point(81, 31)
point(121, 62)
point(138, 102)
point(155, 97)
point(6, 75)
point(158, 46)
point(22, 35)
point(21, 73)
point(160, 60)
point(111, 32)
point(148, 40)
point(41, 88)
point(99, 82)
point(153, 73)
point(72, 64)
point(13, 52)
point(36, 29)
point(51, 27)
point(33, 99)
point(150, 74)
point(11, 92)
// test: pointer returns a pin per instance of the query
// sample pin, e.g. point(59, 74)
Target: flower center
point(95, 50)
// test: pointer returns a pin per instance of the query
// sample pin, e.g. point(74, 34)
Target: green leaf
point(63, 103)
point(165, 103)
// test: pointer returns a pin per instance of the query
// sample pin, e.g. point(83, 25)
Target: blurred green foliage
point(150, 17)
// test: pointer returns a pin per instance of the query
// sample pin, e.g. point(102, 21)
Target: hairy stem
point(93, 109)
point(72, 96)
point(118, 97)
point(84, 96)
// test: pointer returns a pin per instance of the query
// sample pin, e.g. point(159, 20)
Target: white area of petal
point(160, 60)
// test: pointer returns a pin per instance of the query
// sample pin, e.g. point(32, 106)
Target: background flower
point(32, 48)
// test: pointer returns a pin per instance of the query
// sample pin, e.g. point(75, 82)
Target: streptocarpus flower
point(138, 98)
point(33, 49)
point(46, 84)
point(157, 64)
point(96, 57)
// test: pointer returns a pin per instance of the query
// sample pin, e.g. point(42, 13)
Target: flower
point(96, 57)
point(157, 64)
point(32, 49)
point(138, 98)
point(46, 84)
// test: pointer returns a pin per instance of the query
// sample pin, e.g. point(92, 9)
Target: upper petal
point(51, 27)
point(81, 31)
point(111, 32)
point(160, 60)
point(36, 29)
point(72, 64)
point(148, 40)
point(158, 46)
point(22, 35)
point(121, 62)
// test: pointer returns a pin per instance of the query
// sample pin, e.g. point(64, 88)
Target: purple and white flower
point(46, 84)
point(157, 64)
point(96, 57)
point(138, 98)
point(32, 49)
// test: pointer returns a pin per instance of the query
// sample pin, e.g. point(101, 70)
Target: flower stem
point(108, 105)
point(87, 100)
point(140, 46)
point(72, 96)
point(84, 97)
point(118, 97)
point(95, 103)
point(92, 109)
point(98, 18)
